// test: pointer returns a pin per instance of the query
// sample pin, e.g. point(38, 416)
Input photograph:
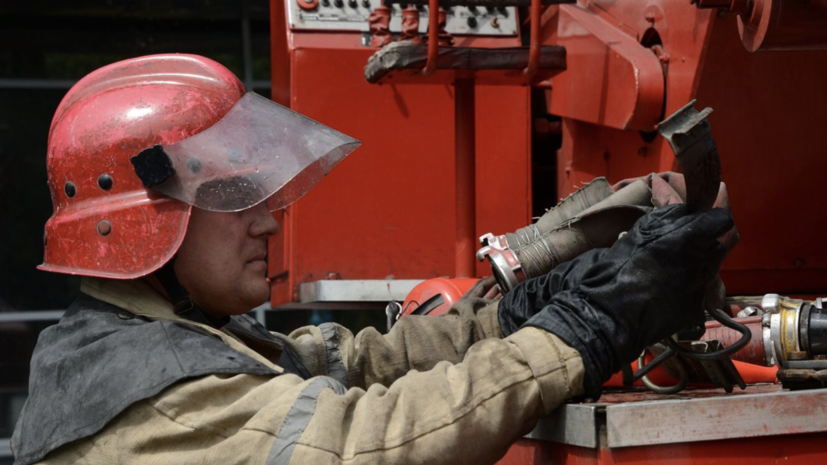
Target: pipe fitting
point(507, 269)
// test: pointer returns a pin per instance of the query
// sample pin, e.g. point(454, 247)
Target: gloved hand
point(485, 288)
point(647, 286)
point(532, 295)
point(669, 188)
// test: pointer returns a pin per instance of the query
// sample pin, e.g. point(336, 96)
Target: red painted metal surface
point(390, 212)
point(534, 39)
point(125, 231)
point(764, 137)
point(613, 80)
point(784, 25)
point(465, 184)
point(433, 37)
point(503, 162)
point(775, 259)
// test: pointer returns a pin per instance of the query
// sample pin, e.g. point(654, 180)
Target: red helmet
point(112, 219)
point(436, 296)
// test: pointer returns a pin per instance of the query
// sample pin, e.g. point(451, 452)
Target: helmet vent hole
point(70, 189)
point(105, 182)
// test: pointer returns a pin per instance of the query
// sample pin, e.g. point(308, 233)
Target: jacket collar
point(134, 295)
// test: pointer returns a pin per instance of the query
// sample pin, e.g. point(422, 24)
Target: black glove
point(647, 286)
point(485, 288)
point(531, 296)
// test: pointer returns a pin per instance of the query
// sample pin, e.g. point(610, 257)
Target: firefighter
point(163, 173)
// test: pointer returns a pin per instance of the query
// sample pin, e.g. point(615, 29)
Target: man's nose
point(264, 223)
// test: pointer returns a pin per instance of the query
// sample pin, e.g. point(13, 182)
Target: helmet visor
point(259, 151)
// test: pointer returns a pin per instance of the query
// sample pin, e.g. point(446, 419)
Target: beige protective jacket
point(433, 391)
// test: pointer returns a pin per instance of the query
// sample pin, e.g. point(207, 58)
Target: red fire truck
point(508, 106)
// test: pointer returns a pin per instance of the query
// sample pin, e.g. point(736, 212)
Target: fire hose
point(595, 216)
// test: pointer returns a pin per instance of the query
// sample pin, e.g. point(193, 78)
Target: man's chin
point(258, 293)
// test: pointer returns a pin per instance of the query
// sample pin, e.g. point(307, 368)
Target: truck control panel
point(352, 15)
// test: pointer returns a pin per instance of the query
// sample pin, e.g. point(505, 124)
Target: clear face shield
point(260, 151)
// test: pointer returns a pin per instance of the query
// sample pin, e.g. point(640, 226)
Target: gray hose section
point(556, 247)
point(587, 196)
point(298, 418)
point(637, 193)
point(545, 251)
point(523, 237)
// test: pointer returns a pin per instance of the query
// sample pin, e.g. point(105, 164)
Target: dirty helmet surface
point(134, 145)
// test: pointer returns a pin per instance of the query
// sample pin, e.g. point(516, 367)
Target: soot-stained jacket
point(122, 379)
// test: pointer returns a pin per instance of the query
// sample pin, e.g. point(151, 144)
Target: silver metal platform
point(643, 418)
point(365, 290)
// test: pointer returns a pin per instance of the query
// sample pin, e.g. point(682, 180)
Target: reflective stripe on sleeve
point(298, 418)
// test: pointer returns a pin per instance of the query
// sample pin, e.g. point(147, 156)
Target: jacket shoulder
point(100, 359)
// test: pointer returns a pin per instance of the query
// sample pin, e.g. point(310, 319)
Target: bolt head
point(70, 189)
point(104, 227)
point(105, 182)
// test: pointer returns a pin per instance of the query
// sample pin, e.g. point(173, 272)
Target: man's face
point(221, 261)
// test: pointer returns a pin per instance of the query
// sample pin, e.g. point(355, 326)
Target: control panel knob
point(472, 22)
point(366, 4)
point(308, 5)
point(352, 3)
point(338, 3)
